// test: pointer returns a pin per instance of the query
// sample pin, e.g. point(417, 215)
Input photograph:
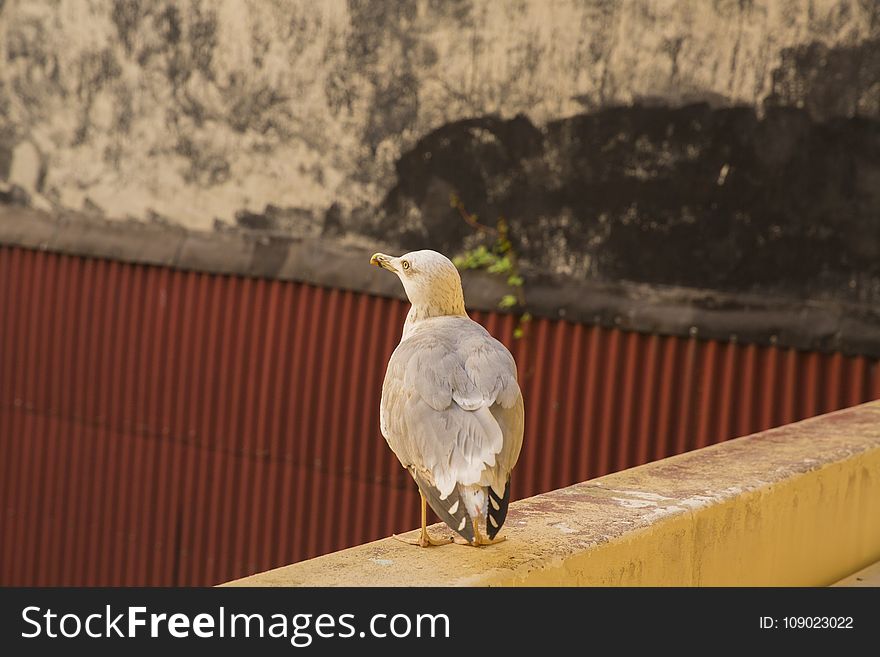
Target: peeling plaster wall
point(312, 118)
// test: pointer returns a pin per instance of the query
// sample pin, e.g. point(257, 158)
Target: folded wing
point(452, 411)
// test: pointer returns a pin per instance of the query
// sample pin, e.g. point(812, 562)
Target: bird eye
point(405, 265)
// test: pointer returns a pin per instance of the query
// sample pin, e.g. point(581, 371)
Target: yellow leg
point(479, 539)
point(425, 539)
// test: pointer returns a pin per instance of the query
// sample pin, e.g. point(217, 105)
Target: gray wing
point(511, 421)
point(452, 410)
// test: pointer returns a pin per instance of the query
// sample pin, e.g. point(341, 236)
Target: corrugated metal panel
point(164, 427)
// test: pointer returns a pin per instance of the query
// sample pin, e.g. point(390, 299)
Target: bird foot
point(481, 541)
point(424, 540)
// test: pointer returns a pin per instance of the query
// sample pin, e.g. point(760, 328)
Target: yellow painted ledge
point(866, 577)
point(793, 506)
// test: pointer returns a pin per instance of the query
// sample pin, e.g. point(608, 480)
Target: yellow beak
point(381, 260)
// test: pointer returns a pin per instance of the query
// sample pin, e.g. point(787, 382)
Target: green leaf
point(515, 281)
point(501, 266)
point(517, 333)
point(507, 301)
point(475, 259)
point(526, 317)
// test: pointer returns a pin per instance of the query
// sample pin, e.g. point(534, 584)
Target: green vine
point(498, 258)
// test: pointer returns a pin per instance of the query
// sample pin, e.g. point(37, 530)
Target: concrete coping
point(868, 577)
point(794, 506)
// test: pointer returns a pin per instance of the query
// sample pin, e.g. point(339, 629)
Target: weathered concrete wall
point(729, 145)
point(194, 110)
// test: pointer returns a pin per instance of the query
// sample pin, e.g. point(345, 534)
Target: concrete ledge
point(866, 577)
point(794, 506)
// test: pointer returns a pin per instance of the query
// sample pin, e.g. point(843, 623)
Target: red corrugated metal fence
point(162, 427)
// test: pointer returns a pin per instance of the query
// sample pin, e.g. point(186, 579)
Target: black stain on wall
point(829, 81)
point(692, 196)
point(377, 26)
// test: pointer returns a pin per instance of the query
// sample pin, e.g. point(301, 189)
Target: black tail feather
point(497, 510)
point(451, 510)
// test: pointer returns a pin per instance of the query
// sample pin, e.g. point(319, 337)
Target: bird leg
point(479, 539)
point(425, 539)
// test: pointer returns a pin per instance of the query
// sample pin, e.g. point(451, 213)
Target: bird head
point(431, 281)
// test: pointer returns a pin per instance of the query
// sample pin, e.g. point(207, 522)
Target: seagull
point(451, 409)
